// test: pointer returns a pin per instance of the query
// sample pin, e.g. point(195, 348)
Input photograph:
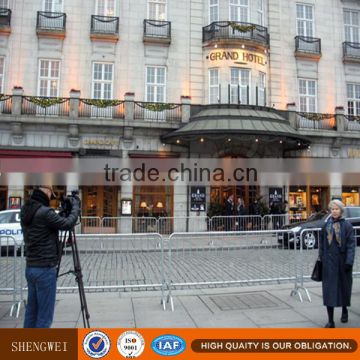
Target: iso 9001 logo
point(130, 344)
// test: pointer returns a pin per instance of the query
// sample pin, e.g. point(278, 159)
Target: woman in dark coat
point(337, 252)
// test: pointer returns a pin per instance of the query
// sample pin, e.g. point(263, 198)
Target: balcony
point(315, 121)
point(351, 52)
point(51, 24)
point(5, 18)
point(104, 28)
point(236, 33)
point(307, 48)
point(156, 31)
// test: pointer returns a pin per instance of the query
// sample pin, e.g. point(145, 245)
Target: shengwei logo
point(130, 344)
point(96, 344)
point(168, 345)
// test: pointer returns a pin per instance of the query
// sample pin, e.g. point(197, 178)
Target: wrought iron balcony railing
point(5, 17)
point(105, 25)
point(157, 29)
point(159, 112)
point(352, 123)
point(306, 44)
point(45, 106)
point(97, 108)
point(351, 51)
point(5, 104)
point(230, 30)
point(51, 21)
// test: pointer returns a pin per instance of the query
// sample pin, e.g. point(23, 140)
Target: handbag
point(317, 271)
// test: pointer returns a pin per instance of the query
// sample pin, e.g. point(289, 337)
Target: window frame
point(102, 81)
point(211, 6)
point(214, 86)
point(157, 4)
point(240, 71)
point(156, 84)
point(2, 75)
point(354, 100)
point(106, 8)
point(239, 7)
point(308, 96)
point(50, 78)
point(305, 20)
point(53, 6)
point(352, 26)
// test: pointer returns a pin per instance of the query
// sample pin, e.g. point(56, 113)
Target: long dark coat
point(337, 283)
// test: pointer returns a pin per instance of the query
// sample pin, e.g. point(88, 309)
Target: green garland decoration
point(316, 117)
point(353, 118)
point(158, 107)
point(45, 102)
point(101, 103)
point(241, 28)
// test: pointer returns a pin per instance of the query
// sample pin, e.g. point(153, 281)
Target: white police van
point(10, 229)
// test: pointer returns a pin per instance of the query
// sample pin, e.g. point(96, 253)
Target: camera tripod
point(69, 238)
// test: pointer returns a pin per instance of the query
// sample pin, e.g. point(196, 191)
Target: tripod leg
point(79, 280)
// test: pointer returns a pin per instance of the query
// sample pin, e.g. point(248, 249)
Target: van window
point(5, 218)
point(352, 212)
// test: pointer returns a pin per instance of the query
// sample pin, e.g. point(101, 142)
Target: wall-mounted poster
point(126, 207)
point(198, 198)
point(14, 202)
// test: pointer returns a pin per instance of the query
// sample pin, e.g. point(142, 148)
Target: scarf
point(333, 227)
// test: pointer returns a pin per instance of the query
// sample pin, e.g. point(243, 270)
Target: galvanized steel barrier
point(236, 223)
point(113, 262)
point(129, 224)
point(12, 272)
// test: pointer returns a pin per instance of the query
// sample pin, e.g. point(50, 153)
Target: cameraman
point(40, 225)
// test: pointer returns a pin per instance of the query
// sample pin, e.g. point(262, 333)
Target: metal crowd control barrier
point(129, 224)
point(89, 225)
point(168, 225)
point(12, 270)
point(236, 223)
point(227, 258)
point(277, 221)
point(114, 262)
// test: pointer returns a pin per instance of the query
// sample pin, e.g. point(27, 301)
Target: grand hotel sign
point(236, 56)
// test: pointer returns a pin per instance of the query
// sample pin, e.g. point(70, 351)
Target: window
point(49, 77)
point(213, 11)
point(5, 218)
point(239, 10)
point(260, 12)
point(157, 10)
point(155, 84)
point(214, 86)
point(105, 8)
point(305, 20)
point(262, 89)
point(308, 95)
point(53, 5)
point(2, 68)
point(353, 95)
point(102, 83)
point(352, 26)
point(240, 86)
point(4, 4)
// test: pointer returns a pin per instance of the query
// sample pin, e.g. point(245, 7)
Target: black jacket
point(41, 225)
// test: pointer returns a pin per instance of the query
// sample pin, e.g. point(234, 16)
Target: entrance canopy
point(240, 125)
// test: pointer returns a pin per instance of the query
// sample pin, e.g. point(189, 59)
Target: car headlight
point(296, 229)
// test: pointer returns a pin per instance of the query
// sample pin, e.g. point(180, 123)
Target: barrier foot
point(15, 309)
point(171, 301)
point(163, 303)
point(297, 291)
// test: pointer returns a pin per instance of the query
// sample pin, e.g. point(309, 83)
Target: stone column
point(340, 118)
point(185, 108)
point(74, 103)
point(129, 106)
point(17, 94)
point(291, 108)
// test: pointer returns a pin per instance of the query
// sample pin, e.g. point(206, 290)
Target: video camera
point(66, 203)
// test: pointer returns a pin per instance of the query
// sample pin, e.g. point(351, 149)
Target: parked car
point(10, 230)
point(311, 239)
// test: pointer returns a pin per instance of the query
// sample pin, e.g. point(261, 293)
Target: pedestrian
point(337, 252)
point(240, 212)
point(40, 225)
point(229, 212)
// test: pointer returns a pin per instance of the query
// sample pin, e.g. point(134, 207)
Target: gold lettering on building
point(101, 142)
point(237, 56)
point(354, 153)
